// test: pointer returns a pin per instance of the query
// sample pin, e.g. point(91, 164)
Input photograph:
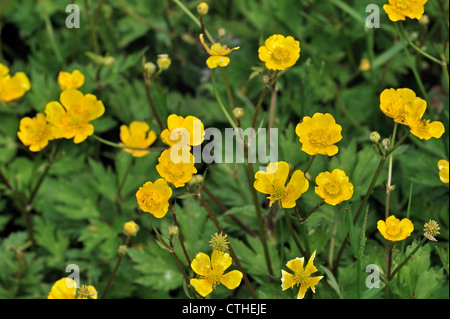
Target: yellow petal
point(94, 106)
point(232, 279)
point(201, 264)
point(219, 60)
point(54, 111)
point(174, 121)
point(296, 265)
point(310, 268)
point(297, 185)
point(288, 280)
point(220, 261)
point(71, 99)
point(202, 286)
point(64, 288)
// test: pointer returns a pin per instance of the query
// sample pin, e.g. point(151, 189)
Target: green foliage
point(89, 191)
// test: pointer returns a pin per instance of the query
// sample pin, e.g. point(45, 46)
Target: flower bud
point(163, 61)
point(173, 230)
point(202, 8)
point(425, 20)
point(375, 137)
point(122, 251)
point(130, 228)
point(108, 61)
point(196, 180)
point(238, 112)
point(386, 142)
point(364, 65)
point(149, 68)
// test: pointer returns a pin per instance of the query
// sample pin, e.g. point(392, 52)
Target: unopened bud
point(109, 61)
point(130, 228)
point(364, 65)
point(196, 180)
point(375, 137)
point(122, 251)
point(149, 68)
point(163, 61)
point(386, 142)
point(425, 20)
point(238, 112)
point(173, 230)
point(308, 176)
point(202, 8)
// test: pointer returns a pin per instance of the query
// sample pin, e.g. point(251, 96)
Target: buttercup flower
point(35, 132)
point(443, 170)
point(177, 170)
point(212, 272)
point(400, 9)
point(393, 103)
point(218, 54)
point(334, 187)
point(272, 182)
point(66, 288)
point(394, 229)
point(423, 129)
point(279, 52)
point(319, 134)
point(186, 131)
point(154, 198)
point(139, 135)
point(72, 80)
point(71, 117)
point(12, 87)
point(301, 276)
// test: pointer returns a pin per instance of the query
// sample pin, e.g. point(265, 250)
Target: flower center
point(217, 49)
point(404, 4)
point(75, 119)
point(332, 188)
point(214, 277)
point(318, 137)
point(152, 200)
point(393, 229)
point(280, 53)
point(300, 277)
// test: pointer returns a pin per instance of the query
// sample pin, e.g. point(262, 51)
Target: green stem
point(113, 274)
point(180, 237)
point(304, 234)
point(262, 229)
point(311, 160)
point(228, 88)
point(116, 145)
point(232, 253)
point(415, 47)
point(219, 101)
point(192, 16)
point(302, 220)
point(294, 236)
point(407, 258)
point(50, 32)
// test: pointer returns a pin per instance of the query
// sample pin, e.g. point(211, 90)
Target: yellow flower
point(177, 169)
point(334, 187)
point(187, 131)
point(72, 80)
point(272, 182)
point(364, 65)
point(393, 103)
point(394, 229)
point(218, 54)
point(66, 288)
point(211, 272)
point(279, 52)
point(319, 134)
point(35, 132)
point(154, 198)
point(301, 276)
point(12, 87)
point(139, 135)
point(421, 128)
point(400, 9)
point(443, 170)
point(71, 118)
